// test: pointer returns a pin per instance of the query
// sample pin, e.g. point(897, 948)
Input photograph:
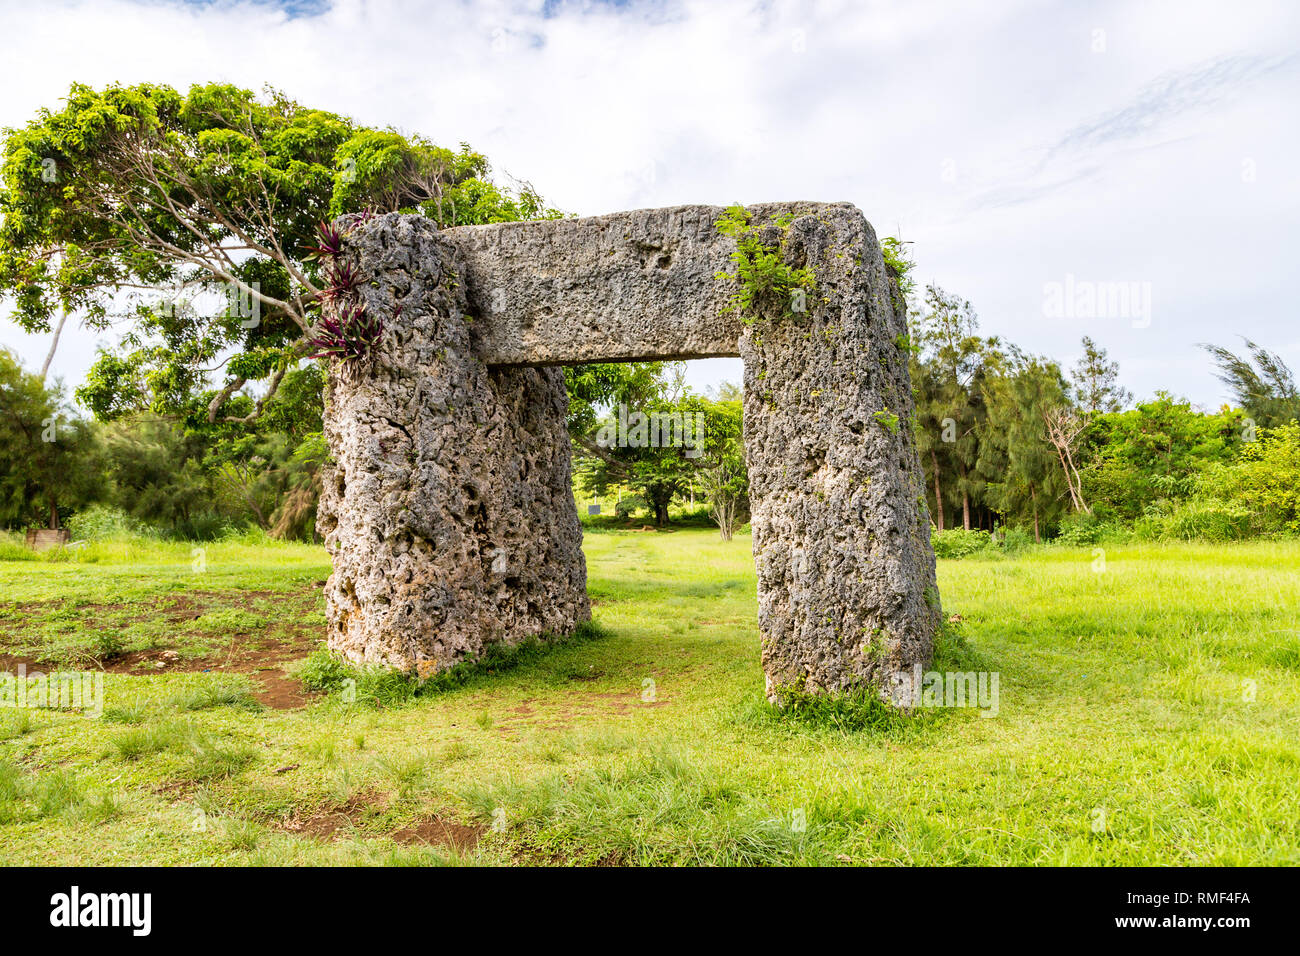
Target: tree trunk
point(661, 513)
point(1069, 481)
point(54, 515)
point(1078, 481)
point(49, 356)
point(965, 501)
point(1033, 496)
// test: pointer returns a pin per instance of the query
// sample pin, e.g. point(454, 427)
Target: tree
point(296, 515)
point(1064, 427)
point(659, 447)
point(155, 474)
point(192, 482)
point(727, 392)
point(214, 195)
point(1096, 387)
point(593, 388)
point(1262, 384)
point(49, 464)
point(722, 474)
point(950, 361)
point(1153, 451)
point(1025, 483)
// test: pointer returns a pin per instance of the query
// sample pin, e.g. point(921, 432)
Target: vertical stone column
point(846, 574)
point(448, 508)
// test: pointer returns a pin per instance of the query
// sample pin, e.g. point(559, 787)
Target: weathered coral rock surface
point(449, 511)
point(846, 577)
point(450, 514)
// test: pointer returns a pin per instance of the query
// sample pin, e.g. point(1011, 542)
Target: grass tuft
point(233, 692)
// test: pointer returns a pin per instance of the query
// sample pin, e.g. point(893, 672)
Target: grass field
point(1149, 709)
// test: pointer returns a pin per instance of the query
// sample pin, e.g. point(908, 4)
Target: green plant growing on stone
point(899, 263)
point(768, 286)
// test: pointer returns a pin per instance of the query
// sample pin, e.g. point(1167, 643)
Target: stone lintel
point(629, 286)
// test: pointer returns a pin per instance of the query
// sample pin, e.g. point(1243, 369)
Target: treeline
point(1010, 444)
point(143, 473)
point(1011, 441)
point(117, 207)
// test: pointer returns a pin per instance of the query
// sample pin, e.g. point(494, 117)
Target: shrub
point(626, 507)
point(767, 284)
point(1200, 519)
point(101, 523)
point(1016, 540)
point(1084, 529)
point(1266, 479)
point(960, 543)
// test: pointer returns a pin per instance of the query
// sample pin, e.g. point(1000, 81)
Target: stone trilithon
point(449, 512)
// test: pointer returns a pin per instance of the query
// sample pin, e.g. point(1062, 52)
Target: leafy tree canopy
point(49, 465)
point(213, 195)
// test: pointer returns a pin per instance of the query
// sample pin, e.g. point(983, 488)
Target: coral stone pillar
point(448, 510)
point(846, 575)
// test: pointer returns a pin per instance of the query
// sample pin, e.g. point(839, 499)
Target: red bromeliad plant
point(330, 238)
point(343, 277)
point(350, 336)
point(346, 331)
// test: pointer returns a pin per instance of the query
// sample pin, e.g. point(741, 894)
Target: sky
point(1128, 171)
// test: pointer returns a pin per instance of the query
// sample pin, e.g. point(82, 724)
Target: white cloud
point(997, 137)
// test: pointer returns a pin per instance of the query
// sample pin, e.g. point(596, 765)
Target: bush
point(1200, 519)
point(102, 523)
point(629, 505)
point(1265, 479)
point(1016, 540)
point(960, 543)
point(209, 526)
point(1083, 530)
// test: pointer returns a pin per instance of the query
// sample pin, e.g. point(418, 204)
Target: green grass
point(1149, 713)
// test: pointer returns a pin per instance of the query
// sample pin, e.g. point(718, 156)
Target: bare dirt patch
point(326, 824)
point(434, 831)
point(261, 653)
point(333, 822)
point(9, 663)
